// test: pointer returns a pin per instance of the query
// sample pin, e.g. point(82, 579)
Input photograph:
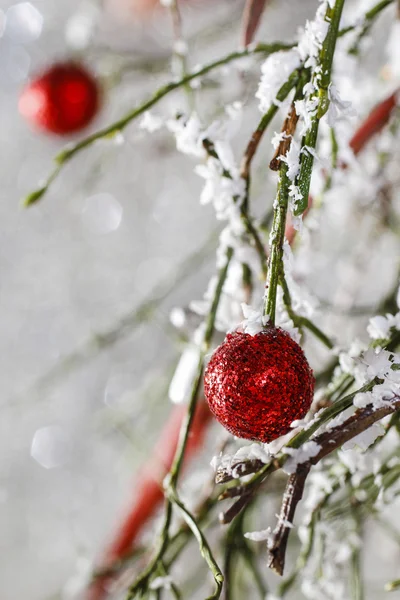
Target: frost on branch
point(275, 71)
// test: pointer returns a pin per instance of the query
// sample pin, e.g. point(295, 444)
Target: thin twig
point(203, 544)
point(328, 442)
point(118, 126)
point(276, 249)
point(392, 585)
point(266, 119)
point(250, 228)
point(288, 129)
point(172, 478)
point(292, 496)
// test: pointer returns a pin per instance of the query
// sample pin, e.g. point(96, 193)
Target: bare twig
point(68, 153)
point(329, 441)
point(237, 469)
point(288, 129)
point(292, 496)
point(255, 139)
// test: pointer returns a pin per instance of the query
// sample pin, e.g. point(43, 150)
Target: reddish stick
point(150, 493)
point(374, 123)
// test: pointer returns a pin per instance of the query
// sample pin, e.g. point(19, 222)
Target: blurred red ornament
point(62, 100)
point(256, 386)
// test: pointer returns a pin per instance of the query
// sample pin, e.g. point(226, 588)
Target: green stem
point(203, 544)
point(65, 155)
point(141, 583)
point(250, 228)
point(276, 243)
point(392, 585)
point(266, 119)
point(171, 479)
point(109, 131)
point(209, 329)
point(369, 19)
point(321, 81)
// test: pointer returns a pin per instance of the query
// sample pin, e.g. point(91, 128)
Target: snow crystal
point(292, 159)
point(259, 536)
point(253, 320)
point(253, 452)
point(151, 122)
point(300, 455)
point(338, 108)
point(177, 317)
point(180, 47)
point(378, 362)
point(189, 135)
point(284, 522)
point(220, 189)
point(312, 37)
point(161, 582)
point(275, 71)
point(278, 138)
point(379, 327)
point(366, 438)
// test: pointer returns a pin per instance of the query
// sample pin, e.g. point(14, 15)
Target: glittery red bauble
point(256, 386)
point(64, 99)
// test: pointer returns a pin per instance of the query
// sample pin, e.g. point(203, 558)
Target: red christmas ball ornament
point(62, 100)
point(256, 386)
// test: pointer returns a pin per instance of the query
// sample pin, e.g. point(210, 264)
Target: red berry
point(62, 100)
point(256, 386)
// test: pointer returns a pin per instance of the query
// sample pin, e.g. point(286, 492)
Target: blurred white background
point(119, 222)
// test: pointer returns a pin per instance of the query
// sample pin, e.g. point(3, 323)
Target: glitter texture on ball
point(63, 100)
point(256, 386)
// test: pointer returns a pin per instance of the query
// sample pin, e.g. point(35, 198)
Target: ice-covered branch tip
point(118, 126)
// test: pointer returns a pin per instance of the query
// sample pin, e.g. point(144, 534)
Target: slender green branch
point(203, 544)
point(321, 82)
point(171, 480)
point(276, 244)
point(277, 235)
point(141, 583)
point(263, 124)
point(66, 155)
point(249, 226)
point(118, 126)
point(209, 329)
point(392, 585)
point(369, 19)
